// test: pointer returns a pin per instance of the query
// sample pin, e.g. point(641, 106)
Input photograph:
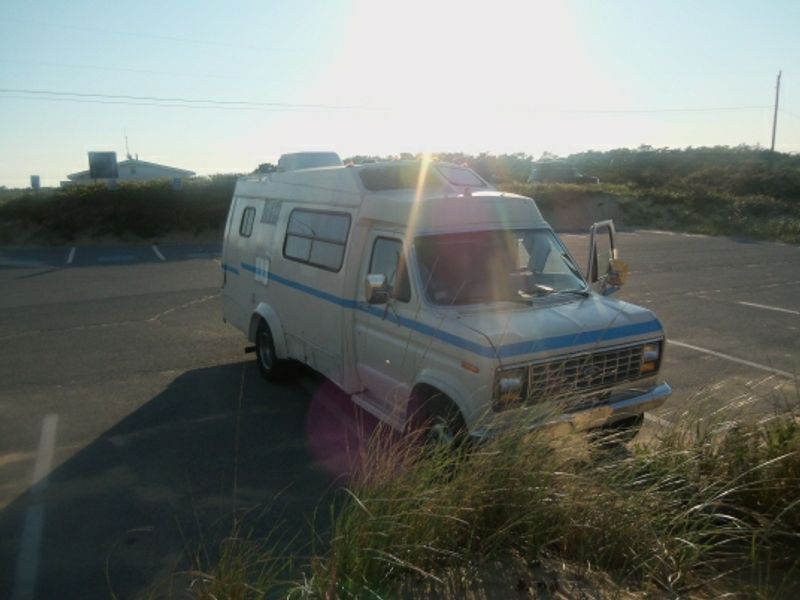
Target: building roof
point(135, 162)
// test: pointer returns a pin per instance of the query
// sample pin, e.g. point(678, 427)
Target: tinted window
point(317, 238)
point(246, 226)
point(387, 259)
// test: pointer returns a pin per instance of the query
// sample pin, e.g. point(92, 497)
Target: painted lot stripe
point(775, 308)
point(116, 258)
point(71, 255)
point(158, 252)
point(741, 361)
point(28, 557)
point(20, 263)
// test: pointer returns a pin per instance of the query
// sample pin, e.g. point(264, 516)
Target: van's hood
point(560, 328)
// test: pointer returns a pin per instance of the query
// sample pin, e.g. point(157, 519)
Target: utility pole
point(775, 115)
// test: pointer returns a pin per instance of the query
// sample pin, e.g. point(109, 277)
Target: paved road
point(133, 409)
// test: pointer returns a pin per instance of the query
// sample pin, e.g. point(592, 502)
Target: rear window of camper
point(317, 238)
point(246, 226)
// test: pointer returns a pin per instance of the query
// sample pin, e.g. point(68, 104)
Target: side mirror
point(375, 289)
point(606, 272)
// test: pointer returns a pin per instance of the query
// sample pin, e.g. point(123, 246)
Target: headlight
point(651, 355)
point(510, 387)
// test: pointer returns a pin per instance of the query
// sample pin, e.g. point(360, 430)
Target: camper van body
point(301, 252)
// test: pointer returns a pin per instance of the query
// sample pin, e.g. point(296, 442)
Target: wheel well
point(419, 405)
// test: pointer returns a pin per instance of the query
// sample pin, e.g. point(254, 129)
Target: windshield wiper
point(584, 292)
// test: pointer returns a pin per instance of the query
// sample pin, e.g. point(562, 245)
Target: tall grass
point(694, 510)
point(699, 510)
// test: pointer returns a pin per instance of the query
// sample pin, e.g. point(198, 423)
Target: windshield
point(495, 266)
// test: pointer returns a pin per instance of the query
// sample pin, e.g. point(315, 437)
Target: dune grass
point(699, 510)
point(694, 208)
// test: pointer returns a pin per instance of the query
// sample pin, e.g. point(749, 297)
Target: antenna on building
point(127, 150)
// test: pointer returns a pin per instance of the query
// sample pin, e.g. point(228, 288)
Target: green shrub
point(138, 210)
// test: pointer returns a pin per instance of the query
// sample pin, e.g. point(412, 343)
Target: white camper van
point(422, 292)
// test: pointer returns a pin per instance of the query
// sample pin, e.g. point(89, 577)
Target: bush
point(141, 210)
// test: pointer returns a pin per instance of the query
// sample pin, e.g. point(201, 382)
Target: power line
point(669, 110)
point(177, 102)
point(188, 101)
point(152, 36)
point(146, 71)
point(161, 104)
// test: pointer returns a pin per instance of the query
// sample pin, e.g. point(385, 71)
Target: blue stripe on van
point(506, 351)
point(230, 269)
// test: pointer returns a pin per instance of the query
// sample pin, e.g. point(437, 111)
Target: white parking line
point(158, 252)
point(71, 255)
point(775, 308)
point(28, 557)
point(741, 361)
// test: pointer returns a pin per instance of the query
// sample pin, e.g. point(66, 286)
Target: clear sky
point(374, 77)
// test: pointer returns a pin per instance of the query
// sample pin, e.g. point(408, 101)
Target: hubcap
point(440, 434)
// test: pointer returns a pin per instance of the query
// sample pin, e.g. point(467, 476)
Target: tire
point(272, 368)
point(438, 422)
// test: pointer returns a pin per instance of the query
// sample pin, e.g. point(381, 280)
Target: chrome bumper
point(595, 416)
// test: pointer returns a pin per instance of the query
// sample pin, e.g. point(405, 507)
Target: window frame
point(310, 263)
point(251, 210)
point(402, 258)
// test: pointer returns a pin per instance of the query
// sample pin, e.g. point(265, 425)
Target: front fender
point(266, 312)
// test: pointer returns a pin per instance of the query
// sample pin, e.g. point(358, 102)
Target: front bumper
point(618, 407)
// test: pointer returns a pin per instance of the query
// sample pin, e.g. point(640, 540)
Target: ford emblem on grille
point(591, 371)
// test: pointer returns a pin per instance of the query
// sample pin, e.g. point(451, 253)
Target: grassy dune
point(701, 510)
point(692, 210)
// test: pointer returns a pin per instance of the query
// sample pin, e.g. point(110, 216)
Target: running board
point(365, 401)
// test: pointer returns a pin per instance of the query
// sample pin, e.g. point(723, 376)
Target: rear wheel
point(271, 367)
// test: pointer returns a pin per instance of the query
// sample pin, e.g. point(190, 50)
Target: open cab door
point(606, 273)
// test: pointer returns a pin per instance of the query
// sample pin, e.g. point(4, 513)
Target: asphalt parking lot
point(132, 425)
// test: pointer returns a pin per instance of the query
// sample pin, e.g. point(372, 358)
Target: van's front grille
point(575, 381)
point(569, 375)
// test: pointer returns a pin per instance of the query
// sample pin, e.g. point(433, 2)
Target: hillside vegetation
point(133, 210)
point(740, 191)
point(718, 191)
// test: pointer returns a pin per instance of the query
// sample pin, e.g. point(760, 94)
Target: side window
point(387, 259)
point(317, 238)
point(246, 226)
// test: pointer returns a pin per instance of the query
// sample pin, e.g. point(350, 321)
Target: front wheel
point(271, 367)
point(439, 422)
